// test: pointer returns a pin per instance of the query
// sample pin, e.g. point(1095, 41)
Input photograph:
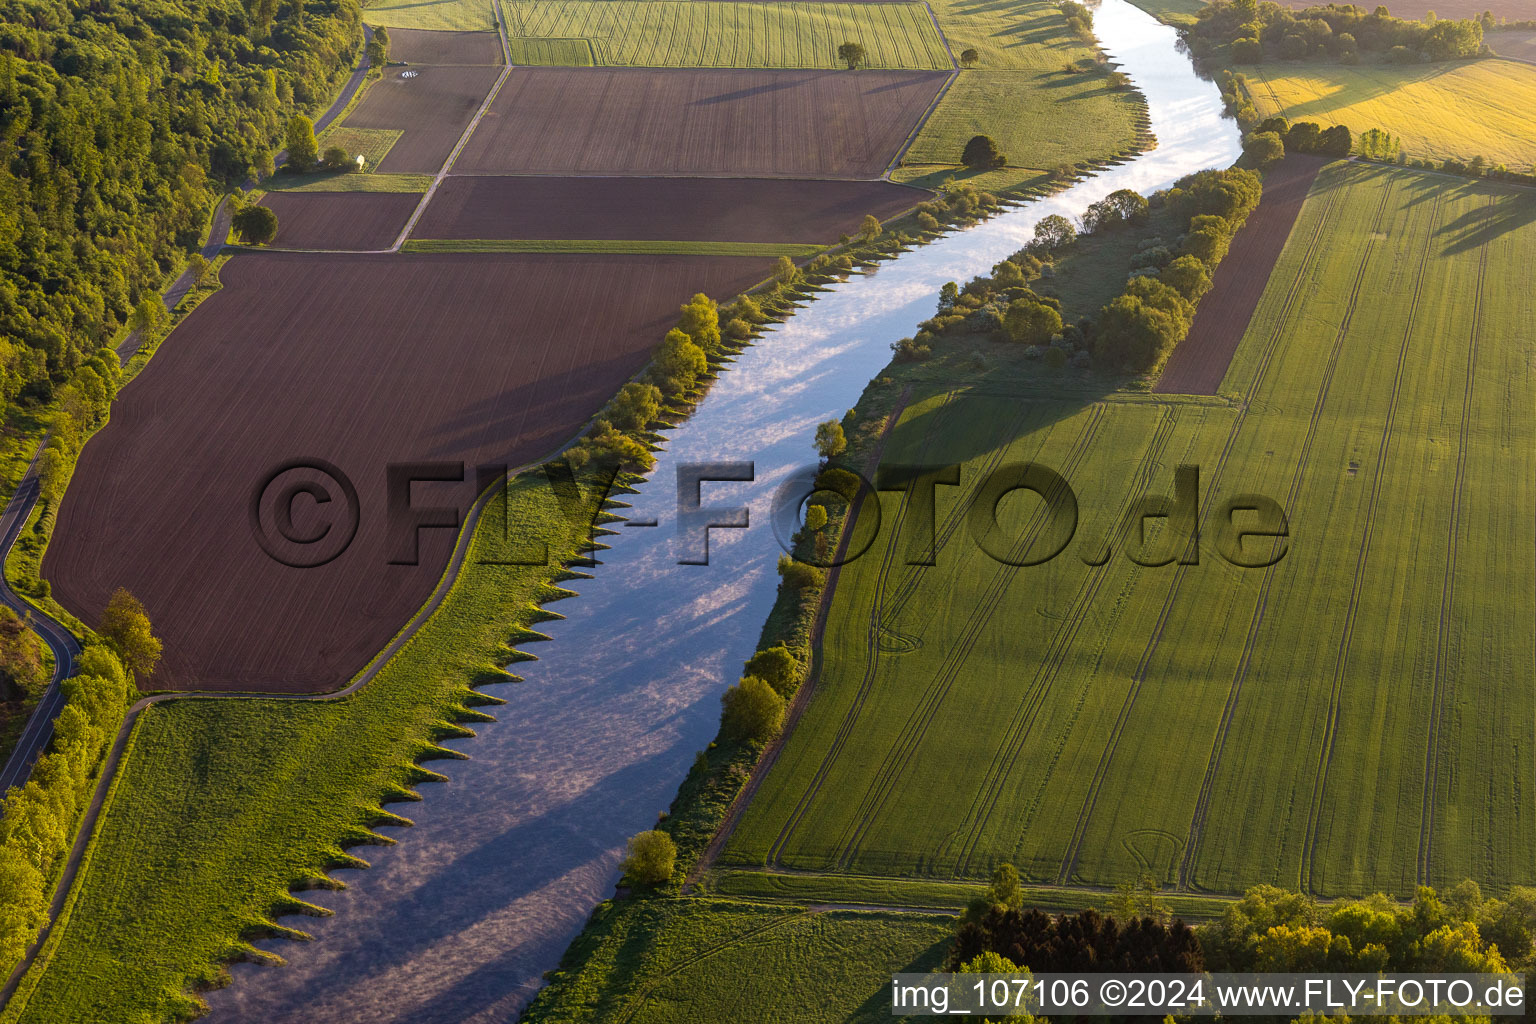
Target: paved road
point(39, 730)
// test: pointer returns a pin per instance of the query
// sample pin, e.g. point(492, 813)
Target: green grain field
point(1355, 718)
point(724, 34)
point(442, 15)
point(372, 143)
point(693, 961)
point(1020, 94)
point(221, 805)
point(1462, 109)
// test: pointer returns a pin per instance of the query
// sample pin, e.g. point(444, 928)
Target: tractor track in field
point(1346, 638)
point(1090, 802)
point(639, 999)
point(1234, 695)
point(850, 718)
point(882, 610)
point(899, 756)
point(1438, 697)
point(1005, 760)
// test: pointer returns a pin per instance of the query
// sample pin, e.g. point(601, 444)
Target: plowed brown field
point(361, 361)
point(680, 209)
point(813, 124)
point(339, 220)
point(432, 106)
point(419, 46)
point(1200, 361)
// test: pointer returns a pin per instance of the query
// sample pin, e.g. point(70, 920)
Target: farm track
point(1005, 760)
point(1234, 695)
point(1341, 660)
point(850, 719)
point(1439, 696)
point(907, 742)
point(1090, 803)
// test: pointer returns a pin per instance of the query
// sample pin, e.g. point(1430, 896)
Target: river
point(457, 923)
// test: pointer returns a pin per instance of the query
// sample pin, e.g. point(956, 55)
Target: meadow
point(692, 961)
point(220, 806)
point(724, 34)
point(1481, 108)
point(1020, 93)
point(1343, 721)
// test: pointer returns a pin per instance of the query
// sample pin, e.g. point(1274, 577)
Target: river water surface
point(456, 924)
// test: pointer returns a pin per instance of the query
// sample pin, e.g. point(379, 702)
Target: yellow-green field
point(443, 15)
point(372, 143)
point(1355, 718)
point(1480, 108)
point(1018, 93)
point(724, 34)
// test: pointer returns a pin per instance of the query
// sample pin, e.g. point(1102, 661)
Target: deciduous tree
point(852, 54)
point(125, 627)
point(830, 439)
point(651, 858)
point(255, 225)
point(751, 711)
point(303, 148)
point(981, 154)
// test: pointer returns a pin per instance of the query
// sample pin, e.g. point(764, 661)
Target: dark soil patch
point(339, 220)
point(432, 105)
point(361, 361)
point(795, 124)
point(665, 209)
point(1200, 361)
point(420, 46)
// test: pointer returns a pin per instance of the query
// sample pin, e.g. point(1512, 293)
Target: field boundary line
point(1234, 694)
point(1021, 723)
point(871, 641)
point(803, 695)
point(1448, 586)
point(1346, 638)
point(499, 17)
point(900, 755)
point(1069, 862)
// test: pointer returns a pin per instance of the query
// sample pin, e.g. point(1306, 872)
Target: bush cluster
point(1252, 32)
point(1139, 327)
point(38, 819)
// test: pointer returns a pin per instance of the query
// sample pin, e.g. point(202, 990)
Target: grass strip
point(331, 181)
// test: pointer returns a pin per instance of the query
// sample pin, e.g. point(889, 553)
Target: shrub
point(1247, 51)
point(651, 858)
point(1031, 322)
point(635, 406)
point(1263, 149)
point(908, 350)
point(1187, 275)
point(830, 439)
point(775, 665)
point(336, 159)
point(798, 575)
point(751, 711)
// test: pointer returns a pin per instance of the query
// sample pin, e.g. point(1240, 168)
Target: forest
point(120, 123)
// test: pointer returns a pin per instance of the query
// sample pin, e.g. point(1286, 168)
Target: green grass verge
point(693, 961)
point(221, 805)
point(909, 892)
point(1172, 12)
point(443, 15)
point(332, 182)
point(723, 33)
point(661, 248)
point(1481, 108)
point(372, 143)
point(1020, 95)
point(1301, 719)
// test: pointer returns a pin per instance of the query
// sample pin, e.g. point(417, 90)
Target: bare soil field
point(669, 209)
point(339, 220)
point(360, 361)
point(1516, 44)
point(423, 46)
point(1200, 361)
point(827, 124)
point(432, 105)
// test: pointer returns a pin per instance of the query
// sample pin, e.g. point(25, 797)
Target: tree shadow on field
point(1509, 211)
point(1353, 86)
point(780, 83)
point(878, 1006)
point(530, 418)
